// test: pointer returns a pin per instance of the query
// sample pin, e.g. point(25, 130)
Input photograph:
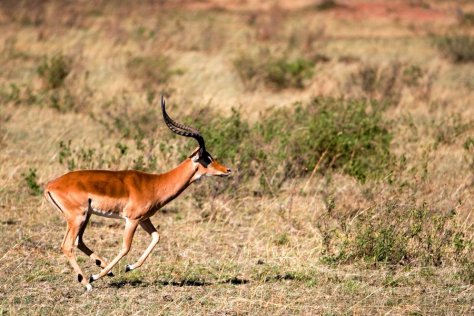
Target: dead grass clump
point(151, 71)
point(450, 128)
point(459, 48)
point(387, 83)
point(267, 24)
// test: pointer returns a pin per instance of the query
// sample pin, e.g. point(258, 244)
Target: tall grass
point(459, 48)
point(396, 234)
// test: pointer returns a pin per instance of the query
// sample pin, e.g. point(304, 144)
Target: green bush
point(288, 143)
point(326, 5)
point(459, 48)
point(31, 181)
point(54, 71)
point(282, 73)
point(274, 72)
point(349, 133)
point(467, 18)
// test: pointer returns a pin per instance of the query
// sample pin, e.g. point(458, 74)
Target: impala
point(130, 195)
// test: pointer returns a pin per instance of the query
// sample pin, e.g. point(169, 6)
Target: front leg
point(155, 238)
point(130, 227)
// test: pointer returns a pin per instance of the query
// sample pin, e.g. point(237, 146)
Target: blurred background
point(349, 126)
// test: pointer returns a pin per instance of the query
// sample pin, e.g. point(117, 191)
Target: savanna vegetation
point(351, 137)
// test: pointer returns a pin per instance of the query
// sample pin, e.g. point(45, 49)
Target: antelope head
point(206, 164)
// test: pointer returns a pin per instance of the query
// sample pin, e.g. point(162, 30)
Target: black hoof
point(91, 279)
point(127, 268)
point(110, 274)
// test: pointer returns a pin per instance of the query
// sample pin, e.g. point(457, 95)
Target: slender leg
point(99, 261)
point(73, 226)
point(155, 238)
point(130, 227)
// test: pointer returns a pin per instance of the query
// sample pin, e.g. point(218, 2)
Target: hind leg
point(73, 227)
point(99, 261)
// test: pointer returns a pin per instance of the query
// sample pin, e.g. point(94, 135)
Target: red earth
point(404, 10)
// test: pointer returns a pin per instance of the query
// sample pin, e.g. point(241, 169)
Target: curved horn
point(182, 129)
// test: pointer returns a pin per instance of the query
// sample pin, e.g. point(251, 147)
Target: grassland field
point(349, 126)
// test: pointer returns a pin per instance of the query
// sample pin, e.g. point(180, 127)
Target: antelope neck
point(170, 184)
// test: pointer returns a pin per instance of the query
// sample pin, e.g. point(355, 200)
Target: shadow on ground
point(179, 283)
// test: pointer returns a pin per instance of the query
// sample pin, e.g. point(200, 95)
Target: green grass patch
point(274, 71)
point(31, 181)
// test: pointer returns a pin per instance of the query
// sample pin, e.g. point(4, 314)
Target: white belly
point(105, 213)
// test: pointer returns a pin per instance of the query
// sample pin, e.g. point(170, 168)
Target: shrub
point(459, 48)
point(350, 133)
point(282, 73)
point(31, 181)
point(347, 135)
point(326, 5)
point(274, 72)
point(54, 71)
point(467, 18)
point(224, 135)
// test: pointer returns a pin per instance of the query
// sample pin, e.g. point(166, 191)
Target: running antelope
point(130, 195)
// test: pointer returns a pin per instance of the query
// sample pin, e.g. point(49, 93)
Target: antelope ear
point(195, 155)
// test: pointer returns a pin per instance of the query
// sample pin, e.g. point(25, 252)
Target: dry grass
point(249, 251)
